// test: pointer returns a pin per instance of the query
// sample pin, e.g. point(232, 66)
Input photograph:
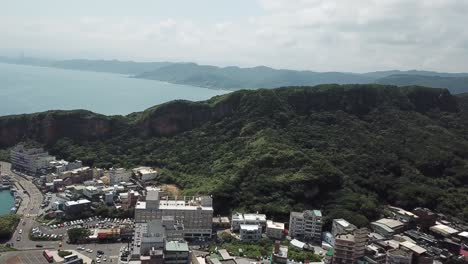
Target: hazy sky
point(322, 35)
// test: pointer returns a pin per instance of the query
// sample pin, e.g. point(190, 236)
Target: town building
point(32, 161)
point(119, 175)
point(350, 247)
point(399, 256)
point(403, 215)
point(280, 253)
point(443, 230)
point(341, 226)
point(250, 233)
point(74, 207)
point(145, 173)
point(275, 230)
point(239, 219)
point(91, 192)
point(78, 175)
point(221, 222)
point(194, 213)
point(306, 225)
point(176, 252)
point(387, 227)
point(109, 198)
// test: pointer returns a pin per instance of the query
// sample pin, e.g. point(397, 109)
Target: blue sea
point(29, 89)
point(6, 202)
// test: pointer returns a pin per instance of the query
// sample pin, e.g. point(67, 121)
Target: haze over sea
point(29, 89)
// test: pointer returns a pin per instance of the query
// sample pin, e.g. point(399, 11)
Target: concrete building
point(399, 256)
point(280, 253)
point(341, 226)
point(194, 213)
point(73, 207)
point(239, 219)
point(78, 175)
point(176, 253)
point(91, 192)
point(250, 233)
point(275, 230)
point(443, 230)
point(145, 173)
point(350, 247)
point(60, 166)
point(119, 175)
point(306, 225)
point(109, 198)
point(403, 215)
point(32, 161)
point(387, 227)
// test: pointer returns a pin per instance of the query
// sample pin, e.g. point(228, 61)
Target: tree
point(76, 235)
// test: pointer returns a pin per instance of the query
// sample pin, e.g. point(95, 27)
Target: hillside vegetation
point(345, 149)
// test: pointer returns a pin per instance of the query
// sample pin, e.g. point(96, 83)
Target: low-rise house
point(443, 230)
point(176, 253)
point(280, 253)
point(250, 232)
point(74, 207)
point(387, 227)
point(91, 192)
point(145, 173)
point(248, 219)
point(399, 256)
point(275, 230)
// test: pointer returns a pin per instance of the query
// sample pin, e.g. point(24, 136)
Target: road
point(29, 208)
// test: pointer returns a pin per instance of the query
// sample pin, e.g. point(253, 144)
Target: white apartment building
point(119, 175)
point(195, 213)
point(238, 219)
point(306, 225)
point(145, 173)
point(91, 191)
point(31, 161)
point(250, 233)
point(341, 226)
point(275, 230)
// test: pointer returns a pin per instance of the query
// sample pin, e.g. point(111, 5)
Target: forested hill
point(236, 78)
point(344, 149)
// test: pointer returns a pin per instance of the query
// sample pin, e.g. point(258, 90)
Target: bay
point(30, 89)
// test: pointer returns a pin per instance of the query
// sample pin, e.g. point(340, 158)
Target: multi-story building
point(350, 247)
point(341, 226)
point(280, 253)
point(194, 213)
point(119, 175)
point(74, 207)
point(275, 230)
point(239, 219)
point(91, 192)
point(306, 225)
point(250, 233)
point(399, 256)
point(176, 253)
point(33, 161)
point(145, 173)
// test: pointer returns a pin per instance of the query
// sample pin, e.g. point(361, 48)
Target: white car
point(20, 231)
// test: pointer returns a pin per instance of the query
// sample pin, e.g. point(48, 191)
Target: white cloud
point(344, 35)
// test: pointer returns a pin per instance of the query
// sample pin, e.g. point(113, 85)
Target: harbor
point(10, 197)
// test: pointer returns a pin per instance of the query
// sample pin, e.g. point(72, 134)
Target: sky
point(318, 35)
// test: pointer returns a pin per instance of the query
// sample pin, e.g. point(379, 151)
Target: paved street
point(28, 210)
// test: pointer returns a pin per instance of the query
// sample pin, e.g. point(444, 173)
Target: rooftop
point(255, 217)
point(444, 229)
point(399, 252)
point(383, 226)
point(176, 246)
point(250, 227)
point(392, 223)
point(275, 225)
point(413, 247)
point(347, 237)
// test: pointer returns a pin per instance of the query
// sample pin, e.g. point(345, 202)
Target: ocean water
point(29, 89)
point(6, 202)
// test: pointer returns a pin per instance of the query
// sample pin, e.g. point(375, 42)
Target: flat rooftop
point(176, 246)
point(250, 227)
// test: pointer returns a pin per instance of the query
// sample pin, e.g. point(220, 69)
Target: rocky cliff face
point(48, 127)
point(179, 116)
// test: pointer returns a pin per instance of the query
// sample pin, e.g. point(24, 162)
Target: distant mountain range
point(235, 78)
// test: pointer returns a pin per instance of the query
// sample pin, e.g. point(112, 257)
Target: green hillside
point(345, 149)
